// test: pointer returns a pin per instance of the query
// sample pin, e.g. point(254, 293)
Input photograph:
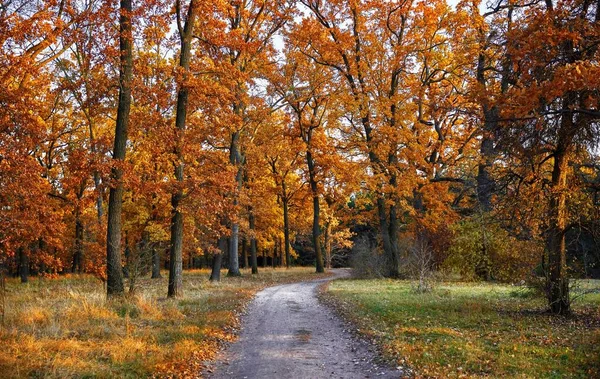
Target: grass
point(474, 329)
point(66, 327)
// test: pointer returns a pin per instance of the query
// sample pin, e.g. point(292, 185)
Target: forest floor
point(288, 333)
point(474, 329)
point(65, 327)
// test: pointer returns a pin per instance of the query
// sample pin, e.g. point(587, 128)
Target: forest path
point(287, 333)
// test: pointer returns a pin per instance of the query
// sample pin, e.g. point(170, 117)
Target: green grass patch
point(475, 329)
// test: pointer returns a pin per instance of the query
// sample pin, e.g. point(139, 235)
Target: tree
point(551, 111)
point(175, 263)
point(114, 281)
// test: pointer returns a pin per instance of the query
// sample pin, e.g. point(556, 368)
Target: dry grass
point(65, 327)
point(474, 329)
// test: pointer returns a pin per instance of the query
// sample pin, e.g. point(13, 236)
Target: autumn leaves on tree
point(214, 128)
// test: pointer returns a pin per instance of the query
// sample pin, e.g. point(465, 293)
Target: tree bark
point(215, 275)
point(253, 257)
point(286, 233)
point(23, 265)
point(114, 279)
point(244, 253)
point(176, 253)
point(558, 282)
point(327, 243)
point(155, 262)
point(316, 212)
point(235, 158)
point(78, 253)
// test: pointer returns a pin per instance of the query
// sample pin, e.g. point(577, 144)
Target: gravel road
point(287, 333)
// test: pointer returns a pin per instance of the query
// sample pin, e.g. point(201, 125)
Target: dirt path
point(288, 334)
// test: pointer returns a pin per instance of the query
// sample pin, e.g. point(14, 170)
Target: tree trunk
point(176, 252)
point(215, 275)
point(485, 183)
point(286, 233)
point(23, 265)
point(155, 262)
point(127, 258)
point(78, 253)
point(234, 262)
point(316, 212)
point(280, 252)
point(235, 158)
point(253, 257)
point(99, 211)
point(244, 253)
point(327, 243)
point(558, 282)
point(114, 274)
point(264, 258)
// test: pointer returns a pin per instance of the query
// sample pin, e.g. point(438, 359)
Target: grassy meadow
point(474, 329)
point(66, 327)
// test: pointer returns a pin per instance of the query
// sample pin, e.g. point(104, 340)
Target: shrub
point(367, 261)
point(485, 251)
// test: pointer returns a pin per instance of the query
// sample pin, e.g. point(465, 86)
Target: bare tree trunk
point(78, 254)
point(316, 213)
point(176, 252)
point(327, 243)
point(244, 253)
point(286, 233)
point(253, 257)
point(280, 252)
point(23, 265)
point(235, 158)
point(114, 280)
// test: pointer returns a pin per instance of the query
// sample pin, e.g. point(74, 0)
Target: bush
point(419, 260)
point(367, 261)
point(484, 251)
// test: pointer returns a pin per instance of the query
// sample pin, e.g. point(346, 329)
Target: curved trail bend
point(287, 333)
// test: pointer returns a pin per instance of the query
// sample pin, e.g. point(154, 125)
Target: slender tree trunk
point(127, 258)
point(264, 258)
point(97, 185)
point(286, 233)
point(244, 253)
point(316, 212)
point(253, 253)
point(155, 262)
point(23, 265)
point(280, 252)
point(114, 280)
point(327, 243)
point(235, 158)
point(176, 252)
point(78, 254)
